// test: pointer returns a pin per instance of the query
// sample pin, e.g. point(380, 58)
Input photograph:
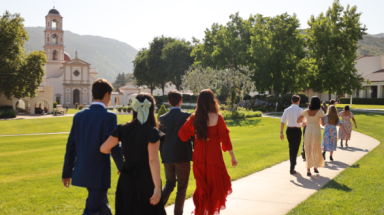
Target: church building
point(71, 78)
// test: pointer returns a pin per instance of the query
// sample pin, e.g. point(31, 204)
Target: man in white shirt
point(293, 131)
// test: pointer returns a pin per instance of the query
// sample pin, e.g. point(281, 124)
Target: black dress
point(135, 186)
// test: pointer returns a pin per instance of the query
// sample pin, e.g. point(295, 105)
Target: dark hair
point(346, 107)
point(295, 98)
point(174, 97)
point(206, 102)
point(332, 102)
point(315, 103)
point(151, 117)
point(100, 87)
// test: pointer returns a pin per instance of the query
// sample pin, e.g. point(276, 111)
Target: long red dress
point(213, 183)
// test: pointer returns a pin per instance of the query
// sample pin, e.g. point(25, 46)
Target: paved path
point(275, 191)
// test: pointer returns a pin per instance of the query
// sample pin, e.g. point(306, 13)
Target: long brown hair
point(333, 115)
point(206, 102)
point(151, 116)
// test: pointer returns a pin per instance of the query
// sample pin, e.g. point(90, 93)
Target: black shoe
point(330, 158)
point(324, 155)
point(304, 160)
point(309, 174)
point(316, 171)
point(293, 172)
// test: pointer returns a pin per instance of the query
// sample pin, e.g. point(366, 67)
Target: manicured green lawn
point(30, 166)
point(360, 188)
point(72, 111)
point(361, 106)
point(44, 125)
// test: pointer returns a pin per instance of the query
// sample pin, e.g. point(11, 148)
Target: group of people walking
point(314, 146)
point(179, 136)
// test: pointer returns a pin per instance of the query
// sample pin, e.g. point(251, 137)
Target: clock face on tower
point(76, 73)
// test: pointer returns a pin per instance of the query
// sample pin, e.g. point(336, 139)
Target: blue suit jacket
point(84, 162)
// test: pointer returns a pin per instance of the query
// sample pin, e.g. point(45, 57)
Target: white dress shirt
point(99, 103)
point(292, 114)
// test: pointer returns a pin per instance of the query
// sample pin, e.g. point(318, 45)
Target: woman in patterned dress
point(346, 117)
point(330, 121)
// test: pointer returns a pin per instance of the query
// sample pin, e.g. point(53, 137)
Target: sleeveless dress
point(312, 140)
point(213, 183)
point(135, 186)
point(330, 136)
point(346, 120)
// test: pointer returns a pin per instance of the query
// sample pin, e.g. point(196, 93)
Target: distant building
point(71, 78)
point(372, 69)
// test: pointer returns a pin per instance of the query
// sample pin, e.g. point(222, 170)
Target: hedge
point(7, 112)
point(362, 101)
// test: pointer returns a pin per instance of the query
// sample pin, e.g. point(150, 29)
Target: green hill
point(108, 56)
point(371, 46)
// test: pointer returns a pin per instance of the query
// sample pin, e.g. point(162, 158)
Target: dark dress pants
point(97, 202)
point(294, 140)
point(176, 172)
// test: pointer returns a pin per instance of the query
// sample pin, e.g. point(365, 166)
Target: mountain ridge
point(109, 56)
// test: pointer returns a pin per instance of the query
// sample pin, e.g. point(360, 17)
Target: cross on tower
point(76, 54)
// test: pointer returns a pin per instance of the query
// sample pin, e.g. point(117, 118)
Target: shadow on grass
point(355, 166)
point(242, 122)
point(315, 182)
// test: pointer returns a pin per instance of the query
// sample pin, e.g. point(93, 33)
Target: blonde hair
point(333, 115)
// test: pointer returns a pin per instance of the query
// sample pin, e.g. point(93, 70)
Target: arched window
point(54, 24)
point(54, 55)
point(55, 39)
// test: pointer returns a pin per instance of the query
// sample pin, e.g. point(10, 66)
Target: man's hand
point(118, 172)
point(66, 182)
point(282, 136)
point(304, 124)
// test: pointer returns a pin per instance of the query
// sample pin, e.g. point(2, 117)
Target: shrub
point(129, 109)
point(162, 111)
point(242, 114)
point(7, 112)
point(124, 109)
point(81, 107)
point(119, 109)
point(362, 101)
point(247, 97)
point(261, 109)
point(303, 105)
point(54, 104)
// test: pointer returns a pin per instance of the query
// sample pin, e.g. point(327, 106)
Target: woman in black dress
point(139, 186)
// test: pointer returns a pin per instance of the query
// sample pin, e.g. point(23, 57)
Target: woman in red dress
point(213, 183)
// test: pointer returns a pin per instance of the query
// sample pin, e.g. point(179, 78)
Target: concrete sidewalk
point(275, 191)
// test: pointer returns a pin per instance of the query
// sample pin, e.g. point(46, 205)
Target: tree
point(20, 73)
point(120, 81)
point(157, 67)
point(332, 41)
point(143, 76)
point(278, 54)
point(237, 82)
point(177, 56)
point(221, 43)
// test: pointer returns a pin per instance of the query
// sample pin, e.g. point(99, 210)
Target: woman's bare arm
point(322, 122)
point(300, 119)
point(154, 164)
point(109, 144)
point(354, 121)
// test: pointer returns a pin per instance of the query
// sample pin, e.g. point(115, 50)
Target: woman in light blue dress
point(330, 121)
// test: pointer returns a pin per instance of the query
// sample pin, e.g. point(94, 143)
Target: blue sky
point(137, 22)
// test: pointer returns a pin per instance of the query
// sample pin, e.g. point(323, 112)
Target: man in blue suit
point(84, 163)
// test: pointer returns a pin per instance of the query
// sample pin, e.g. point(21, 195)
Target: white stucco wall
point(367, 65)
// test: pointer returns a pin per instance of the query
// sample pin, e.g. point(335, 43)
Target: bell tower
point(54, 37)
